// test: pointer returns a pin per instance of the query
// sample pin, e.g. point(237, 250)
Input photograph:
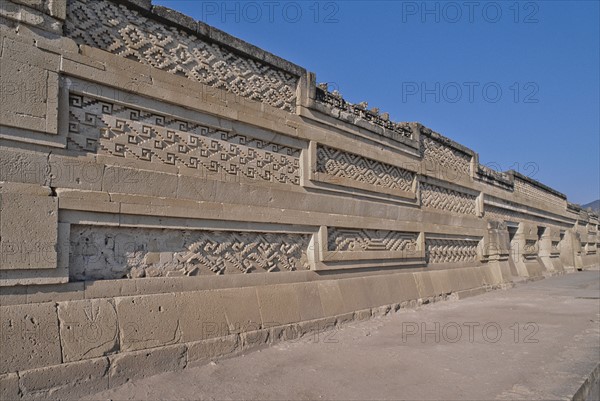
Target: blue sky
point(518, 82)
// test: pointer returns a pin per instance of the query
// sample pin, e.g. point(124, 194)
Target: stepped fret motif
point(451, 250)
point(434, 151)
point(359, 240)
point(447, 199)
point(119, 130)
point(537, 194)
point(338, 163)
point(110, 253)
point(125, 32)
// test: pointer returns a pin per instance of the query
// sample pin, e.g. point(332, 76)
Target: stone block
point(331, 298)
point(309, 301)
point(75, 172)
point(28, 229)
point(30, 337)
point(69, 381)
point(9, 387)
point(355, 294)
point(202, 315)
point(149, 321)
point(139, 364)
point(241, 309)
point(255, 339)
point(424, 285)
point(29, 95)
point(380, 290)
point(135, 181)
point(23, 166)
point(88, 329)
point(201, 351)
point(404, 287)
point(278, 305)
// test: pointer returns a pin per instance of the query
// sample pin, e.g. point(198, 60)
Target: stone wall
point(171, 194)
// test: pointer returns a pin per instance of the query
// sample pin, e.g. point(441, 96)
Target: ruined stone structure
point(170, 194)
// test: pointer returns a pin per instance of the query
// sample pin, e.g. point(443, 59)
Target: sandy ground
point(536, 341)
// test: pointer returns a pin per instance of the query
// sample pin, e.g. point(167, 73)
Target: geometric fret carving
point(447, 199)
point(360, 240)
point(338, 163)
point(537, 194)
point(114, 253)
point(451, 250)
point(434, 151)
point(127, 33)
point(120, 130)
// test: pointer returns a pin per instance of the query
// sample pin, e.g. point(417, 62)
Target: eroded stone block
point(28, 228)
point(88, 329)
point(29, 336)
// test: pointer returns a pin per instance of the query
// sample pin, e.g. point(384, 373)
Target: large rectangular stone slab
point(30, 337)
point(139, 364)
point(69, 381)
point(88, 329)
point(149, 321)
point(278, 305)
point(28, 228)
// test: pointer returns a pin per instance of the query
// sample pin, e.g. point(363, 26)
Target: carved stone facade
point(360, 240)
point(124, 189)
point(436, 152)
point(445, 250)
point(116, 129)
point(342, 164)
point(112, 253)
point(537, 194)
point(447, 199)
point(125, 32)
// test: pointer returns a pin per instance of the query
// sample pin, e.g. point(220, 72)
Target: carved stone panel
point(111, 253)
point(127, 33)
point(117, 129)
point(348, 169)
point(451, 250)
point(447, 200)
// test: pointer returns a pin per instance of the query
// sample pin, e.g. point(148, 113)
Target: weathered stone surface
point(278, 305)
point(201, 351)
point(69, 381)
point(28, 228)
point(30, 337)
point(136, 365)
point(88, 329)
point(149, 321)
point(9, 387)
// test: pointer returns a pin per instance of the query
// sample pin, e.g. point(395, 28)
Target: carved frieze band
point(127, 33)
point(448, 250)
point(537, 194)
point(337, 163)
point(447, 199)
point(361, 240)
point(434, 151)
point(116, 129)
point(112, 253)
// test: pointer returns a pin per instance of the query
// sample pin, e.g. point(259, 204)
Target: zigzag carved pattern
point(432, 150)
point(537, 194)
point(347, 165)
point(358, 240)
point(447, 199)
point(112, 253)
point(125, 32)
point(247, 252)
point(451, 250)
point(119, 130)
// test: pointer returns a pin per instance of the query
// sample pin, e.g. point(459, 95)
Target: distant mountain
point(595, 205)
